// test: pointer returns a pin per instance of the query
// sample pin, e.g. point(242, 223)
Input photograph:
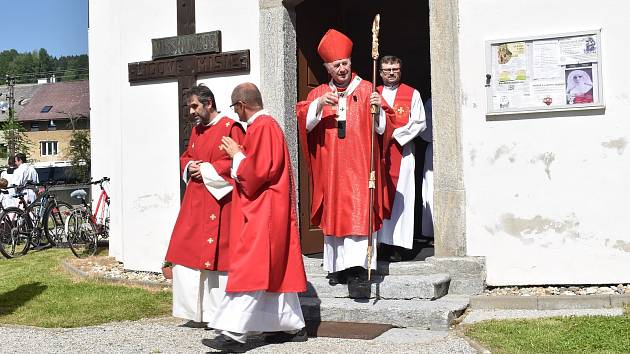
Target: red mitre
point(334, 46)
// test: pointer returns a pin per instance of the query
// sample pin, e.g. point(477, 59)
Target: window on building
point(46, 109)
point(47, 148)
point(34, 126)
point(52, 125)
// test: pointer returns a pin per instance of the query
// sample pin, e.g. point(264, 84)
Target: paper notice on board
point(512, 62)
point(548, 82)
point(510, 70)
point(509, 95)
point(578, 50)
point(546, 60)
point(548, 92)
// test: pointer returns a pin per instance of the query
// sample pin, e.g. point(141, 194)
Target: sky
point(59, 26)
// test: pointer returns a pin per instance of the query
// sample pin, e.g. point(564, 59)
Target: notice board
point(546, 73)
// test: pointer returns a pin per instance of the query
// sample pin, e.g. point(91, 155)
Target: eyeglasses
point(392, 70)
point(233, 105)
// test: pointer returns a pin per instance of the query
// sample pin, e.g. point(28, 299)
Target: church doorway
point(404, 32)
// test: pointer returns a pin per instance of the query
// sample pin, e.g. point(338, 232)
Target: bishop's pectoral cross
point(184, 57)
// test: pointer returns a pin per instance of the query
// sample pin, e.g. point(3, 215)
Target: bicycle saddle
point(78, 194)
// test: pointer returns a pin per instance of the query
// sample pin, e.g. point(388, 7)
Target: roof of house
point(23, 93)
point(56, 101)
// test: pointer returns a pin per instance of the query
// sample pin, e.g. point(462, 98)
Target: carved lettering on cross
point(186, 68)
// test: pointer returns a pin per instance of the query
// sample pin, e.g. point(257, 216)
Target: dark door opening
point(404, 32)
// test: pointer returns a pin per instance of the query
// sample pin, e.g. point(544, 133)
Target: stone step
point(399, 287)
point(435, 315)
point(314, 266)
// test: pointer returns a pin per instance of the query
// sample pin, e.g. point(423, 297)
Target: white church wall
point(135, 127)
point(546, 197)
point(136, 131)
point(104, 54)
point(238, 23)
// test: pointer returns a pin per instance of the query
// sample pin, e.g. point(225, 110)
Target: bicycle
point(15, 238)
point(43, 220)
point(84, 228)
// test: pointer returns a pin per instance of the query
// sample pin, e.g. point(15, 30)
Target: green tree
point(13, 134)
point(79, 148)
point(45, 62)
point(30, 66)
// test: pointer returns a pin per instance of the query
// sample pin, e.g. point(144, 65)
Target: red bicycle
point(83, 227)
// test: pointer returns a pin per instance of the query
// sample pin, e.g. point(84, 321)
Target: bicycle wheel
point(38, 239)
point(54, 223)
point(15, 232)
point(104, 228)
point(81, 233)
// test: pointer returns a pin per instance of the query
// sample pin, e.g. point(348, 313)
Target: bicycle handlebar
point(101, 181)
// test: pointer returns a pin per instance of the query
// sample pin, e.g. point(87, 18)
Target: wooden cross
point(188, 60)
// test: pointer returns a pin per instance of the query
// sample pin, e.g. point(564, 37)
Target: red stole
point(393, 150)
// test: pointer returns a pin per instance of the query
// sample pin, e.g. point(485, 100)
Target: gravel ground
point(165, 335)
point(559, 290)
point(109, 268)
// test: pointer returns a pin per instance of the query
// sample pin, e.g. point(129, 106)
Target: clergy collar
point(394, 87)
point(348, 89)
point(214, 120)
point(340, 87)
point(256, 115)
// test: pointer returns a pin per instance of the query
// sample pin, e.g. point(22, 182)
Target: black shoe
point(283, 337)
point(395, 256)
point(337, 278)
point(359, 288)
point(194, 324)
point(225, 344)
point(354, 273)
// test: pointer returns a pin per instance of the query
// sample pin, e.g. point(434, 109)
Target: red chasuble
point(393, 150)
point(200, 238)
point(339, 168)
point(265, 251)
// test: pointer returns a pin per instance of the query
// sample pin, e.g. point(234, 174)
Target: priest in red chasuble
point(199, 243)
point(335, 126)
point(409, 121)
point(266, 270)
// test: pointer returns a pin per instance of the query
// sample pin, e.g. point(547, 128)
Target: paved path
point(164, 335)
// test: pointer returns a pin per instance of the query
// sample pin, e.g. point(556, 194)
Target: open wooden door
point(404, 33)
point(311, 74)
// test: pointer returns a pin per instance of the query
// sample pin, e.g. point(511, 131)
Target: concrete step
point(399, 287)
point(435, 315)
point(314, 266)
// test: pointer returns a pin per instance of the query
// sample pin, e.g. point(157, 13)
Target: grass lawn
point(596, 334)
point(35, 291)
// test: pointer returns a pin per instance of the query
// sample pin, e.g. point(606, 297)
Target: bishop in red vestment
point(335, 130)
point(200, 239)
point(266, 270)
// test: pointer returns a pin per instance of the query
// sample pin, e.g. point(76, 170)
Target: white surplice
point(398, 230)
point(197, 293)
point(258, 311)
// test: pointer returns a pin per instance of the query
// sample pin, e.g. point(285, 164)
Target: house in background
point(49, 112)
point(22, 95)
